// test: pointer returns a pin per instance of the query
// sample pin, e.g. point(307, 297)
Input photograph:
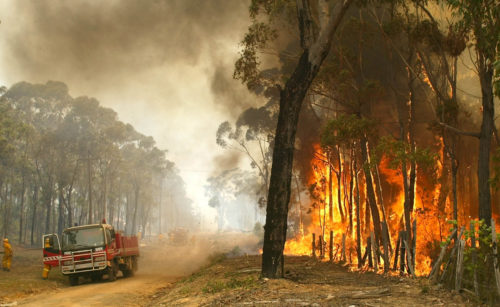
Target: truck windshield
point(81, 238)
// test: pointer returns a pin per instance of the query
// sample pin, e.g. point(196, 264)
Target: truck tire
point(96, 277)
point(111, 273)
point(135, 264)
point(128, 273)
point(73, 280)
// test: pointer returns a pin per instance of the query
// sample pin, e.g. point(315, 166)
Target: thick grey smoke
point(164, 65)
point(114, 39)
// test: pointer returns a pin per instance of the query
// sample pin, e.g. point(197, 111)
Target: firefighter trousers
point(6, 262)
point(46, 270)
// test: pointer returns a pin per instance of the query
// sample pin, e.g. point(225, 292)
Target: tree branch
point(458, 131)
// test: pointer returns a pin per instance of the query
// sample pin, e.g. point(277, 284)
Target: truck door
point(51, 250)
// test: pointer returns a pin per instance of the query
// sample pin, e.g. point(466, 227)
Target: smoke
point(230, 160)
point(166, 259)
point(165, 66)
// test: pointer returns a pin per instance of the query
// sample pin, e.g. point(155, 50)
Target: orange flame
point(430, 226)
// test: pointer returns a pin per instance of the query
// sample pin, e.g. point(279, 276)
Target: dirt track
point(160, 265)
point(132, 291)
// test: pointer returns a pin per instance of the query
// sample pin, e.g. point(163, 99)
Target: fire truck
point(91, 251)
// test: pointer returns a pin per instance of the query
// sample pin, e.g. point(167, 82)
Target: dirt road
point(134, 291)
point(160, 264)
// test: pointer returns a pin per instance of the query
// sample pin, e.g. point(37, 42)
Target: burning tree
point(388, 102)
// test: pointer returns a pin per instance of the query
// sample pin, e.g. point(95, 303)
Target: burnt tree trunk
point(483, 167)
point(291, 98)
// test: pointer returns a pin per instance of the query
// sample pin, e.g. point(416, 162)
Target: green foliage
point(482, 20)
point(214, 287)
point(344, 130)
point(51, 142)
point(477, 259)
point(246, 67)
point(398, 152)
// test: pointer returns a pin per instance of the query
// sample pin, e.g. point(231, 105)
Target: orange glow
point(431, 221)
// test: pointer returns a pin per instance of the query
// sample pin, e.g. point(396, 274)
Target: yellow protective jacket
point(7, 249)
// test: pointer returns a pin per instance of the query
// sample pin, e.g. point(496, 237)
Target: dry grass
point(236, 281)
point(25, 276)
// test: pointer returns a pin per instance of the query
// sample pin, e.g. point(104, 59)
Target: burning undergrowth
point(338, 205)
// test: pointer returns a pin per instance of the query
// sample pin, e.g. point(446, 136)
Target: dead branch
point(458, 131)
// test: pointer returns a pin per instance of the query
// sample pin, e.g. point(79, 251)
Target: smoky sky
point(115, 39)
point(165, 66)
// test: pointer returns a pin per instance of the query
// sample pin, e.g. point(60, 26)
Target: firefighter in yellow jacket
point(46, 267)
point(7, 255)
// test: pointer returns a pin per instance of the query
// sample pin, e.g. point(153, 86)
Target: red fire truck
point(91, 251)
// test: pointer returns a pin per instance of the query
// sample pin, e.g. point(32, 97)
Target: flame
point(431, 225)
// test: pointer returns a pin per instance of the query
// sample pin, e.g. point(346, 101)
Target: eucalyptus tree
point(481, 20)
point(316, 35)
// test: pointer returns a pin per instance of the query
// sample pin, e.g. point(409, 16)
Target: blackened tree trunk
point(291, 97)
point(483, 168)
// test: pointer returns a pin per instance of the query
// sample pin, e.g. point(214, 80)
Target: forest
point(386, 138)
point(67, 161)
point(369, 129)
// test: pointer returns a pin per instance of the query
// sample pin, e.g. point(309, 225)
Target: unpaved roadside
point(160, 265)
point(134, 291)
point(236, 282)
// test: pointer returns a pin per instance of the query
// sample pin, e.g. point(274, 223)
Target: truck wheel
point(128, 273)
point(111, 273)
point(95, 277)
point(135, 264)
point(73, 280)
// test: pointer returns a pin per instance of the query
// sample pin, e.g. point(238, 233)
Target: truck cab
point(92, 251)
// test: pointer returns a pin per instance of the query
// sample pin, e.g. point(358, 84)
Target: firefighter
point(46, 267)
point(7, 255)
